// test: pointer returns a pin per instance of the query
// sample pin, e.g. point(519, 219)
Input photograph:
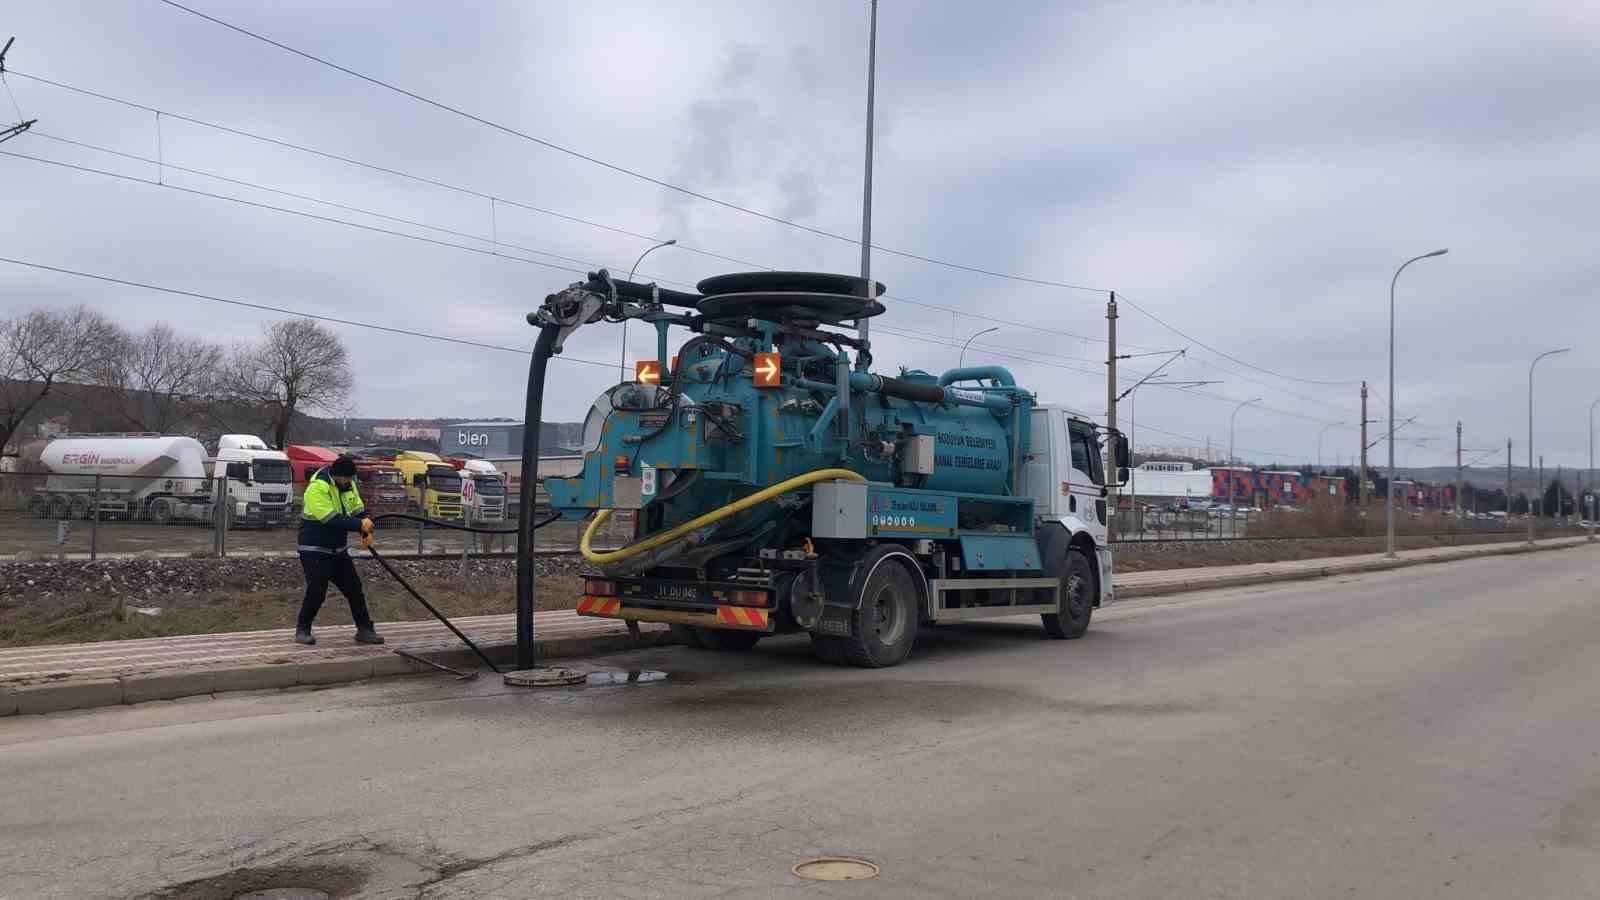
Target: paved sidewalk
point(71, 676)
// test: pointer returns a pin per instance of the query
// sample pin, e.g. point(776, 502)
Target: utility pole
point(1539, 494)
point(1361, 498)
point(871, 286)
point(1508, 484)
point(1111, 413)
point(1458, 468)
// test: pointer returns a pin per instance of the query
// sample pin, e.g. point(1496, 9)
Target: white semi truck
point(160, 478)
point(260, 480)
point(488, 503)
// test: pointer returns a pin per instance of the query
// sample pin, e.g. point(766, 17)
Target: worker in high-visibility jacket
point(331, 510)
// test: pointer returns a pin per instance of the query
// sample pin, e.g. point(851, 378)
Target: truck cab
point(1065, 474)
point(260, 480)
point(383, 488)
point(488, 503)
point(433, 486)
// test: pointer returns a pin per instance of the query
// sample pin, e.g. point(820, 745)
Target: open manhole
point(545, 677)
point(836, 868)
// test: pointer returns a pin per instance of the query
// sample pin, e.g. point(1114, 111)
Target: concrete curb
point(1131, 592)
point(69, 694)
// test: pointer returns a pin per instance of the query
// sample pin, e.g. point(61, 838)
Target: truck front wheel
point(1074, 599)
point(889, 614)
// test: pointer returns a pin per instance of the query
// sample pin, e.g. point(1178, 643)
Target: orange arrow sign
point(766, 370)
point(647, 371)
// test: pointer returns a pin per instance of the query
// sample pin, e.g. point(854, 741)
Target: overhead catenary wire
point(287, 311)
point(624, 170)
point(331, 220)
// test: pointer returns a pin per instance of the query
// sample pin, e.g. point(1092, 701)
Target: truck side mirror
point(1120, 450)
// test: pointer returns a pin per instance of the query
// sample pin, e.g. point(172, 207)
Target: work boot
point(368, 635)
point(303, 636)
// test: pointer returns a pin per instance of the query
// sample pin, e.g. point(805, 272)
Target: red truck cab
point(382, 489)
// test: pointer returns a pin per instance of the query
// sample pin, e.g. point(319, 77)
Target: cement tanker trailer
point(779, 485)
point(162, 479)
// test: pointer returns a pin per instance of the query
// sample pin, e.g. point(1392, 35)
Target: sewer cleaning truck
point(780, 485)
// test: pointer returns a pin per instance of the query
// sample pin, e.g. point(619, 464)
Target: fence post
point(419, 537)
point(94, 520)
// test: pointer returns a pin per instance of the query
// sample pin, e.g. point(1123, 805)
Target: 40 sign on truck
point(780, 486)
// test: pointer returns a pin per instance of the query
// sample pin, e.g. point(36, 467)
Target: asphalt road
point(1433, 732)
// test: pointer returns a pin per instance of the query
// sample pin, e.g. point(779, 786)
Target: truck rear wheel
point(889, 614)
point(79, 509)
point(160, 511)
point(687, 635)
point(38, 507)
point(60, 507)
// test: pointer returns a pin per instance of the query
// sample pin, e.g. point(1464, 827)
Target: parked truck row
point(163, 478)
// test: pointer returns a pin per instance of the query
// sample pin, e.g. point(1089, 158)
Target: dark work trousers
point(322, 568)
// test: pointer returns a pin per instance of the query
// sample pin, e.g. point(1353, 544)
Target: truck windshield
point(383, 478)
point(273, 471)
point(444, 478)
point(491, 487)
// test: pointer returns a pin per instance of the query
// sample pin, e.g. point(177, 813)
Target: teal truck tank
point(771, 473)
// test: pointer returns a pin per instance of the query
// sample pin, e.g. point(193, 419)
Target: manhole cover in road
point(836, 868)
point(544, 677)
point(285, 893)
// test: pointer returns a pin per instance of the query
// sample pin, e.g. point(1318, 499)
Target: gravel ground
point(71, 602)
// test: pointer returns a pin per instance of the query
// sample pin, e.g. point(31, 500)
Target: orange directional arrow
point(766, 370)
point(647, 371)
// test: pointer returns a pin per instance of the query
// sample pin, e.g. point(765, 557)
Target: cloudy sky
point(1248, 174)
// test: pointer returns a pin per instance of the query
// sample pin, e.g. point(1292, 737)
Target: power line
point(386, 231)
point(627, 232)
point(293, 312)
point(495, 198)
point(1186, 336)
point(550, 145)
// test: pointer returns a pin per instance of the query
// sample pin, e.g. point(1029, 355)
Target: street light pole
point(1590, 506)
point(963, 360)
point(1533, 520)
point(1319, 440)
point(1389, 502)
point(1233, 522)
point(622, 367)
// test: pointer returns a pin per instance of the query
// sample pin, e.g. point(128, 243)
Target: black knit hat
point(344, 466)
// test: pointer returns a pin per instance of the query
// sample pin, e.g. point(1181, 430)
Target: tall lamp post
point(622, 367)
point(1589, 506)
point(1389, 504)
point(1232, 512)
point(963, 360)
point(1533, 521)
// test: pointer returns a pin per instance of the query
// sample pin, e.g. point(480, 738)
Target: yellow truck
point(433, 486)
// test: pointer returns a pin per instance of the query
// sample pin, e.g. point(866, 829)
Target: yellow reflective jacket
point(328, 515)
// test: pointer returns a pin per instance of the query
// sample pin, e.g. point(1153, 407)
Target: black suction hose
point(531, 415)
point(429, 606)
point(446, 523)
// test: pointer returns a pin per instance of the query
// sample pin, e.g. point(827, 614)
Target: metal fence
point(1222, 522)
point(94, 516)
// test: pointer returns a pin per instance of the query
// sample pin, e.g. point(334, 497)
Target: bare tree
point(43, 349)
point(158, 380)
point(298, 364)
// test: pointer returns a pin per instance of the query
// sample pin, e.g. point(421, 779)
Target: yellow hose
point(600, 557)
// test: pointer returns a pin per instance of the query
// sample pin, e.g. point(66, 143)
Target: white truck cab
point(259, 480)
point(488, 503)
point(1065, 474)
